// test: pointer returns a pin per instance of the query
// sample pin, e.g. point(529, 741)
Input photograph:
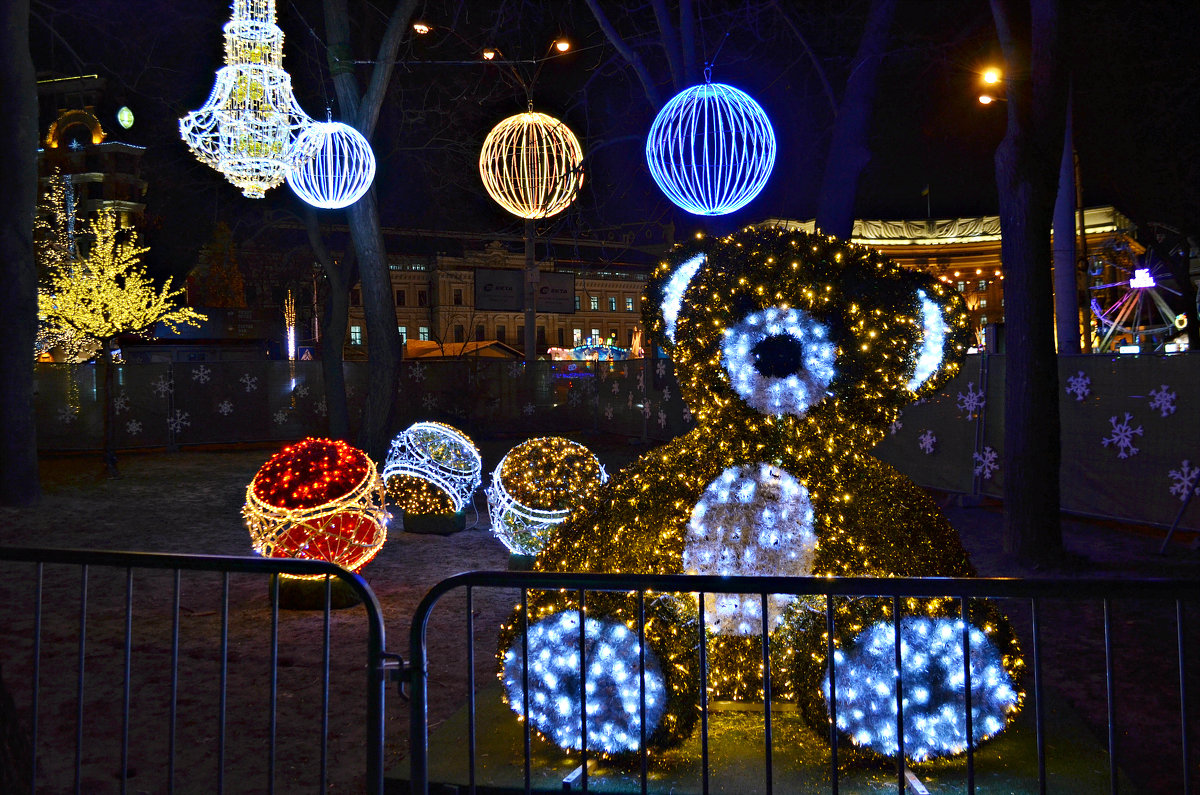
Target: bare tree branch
point(632, 58)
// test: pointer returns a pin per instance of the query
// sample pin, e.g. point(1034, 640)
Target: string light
point(711, 149)
point(317, 499)
point(247, 126)
point(432, 468)
point(535, 486)
point(801, 468)
point(334, 165)
point(531, 164)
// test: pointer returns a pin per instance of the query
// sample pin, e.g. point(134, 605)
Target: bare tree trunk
point(1066, 290)
point(110, 411)
point(339, 275)
point(849, 151)
point(19, 483)
point(1027, 165)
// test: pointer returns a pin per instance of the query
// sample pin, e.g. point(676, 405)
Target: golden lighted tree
point(54, 244)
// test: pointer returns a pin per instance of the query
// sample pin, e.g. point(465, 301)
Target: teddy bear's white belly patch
point(751, 520)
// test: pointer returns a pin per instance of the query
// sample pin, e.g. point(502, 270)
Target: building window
point(982, 321)
point(595, 336)
point(983, 303)
point(562, 336)
point(403, 333)
point(422, 298)
point(460, 333)
point(500, 333)
point(479, 332)
point(577, 303)
point(457, 296)
point(355, 297)
point(356, 335)
point(399, 298)
point(982, 286)
point(612, 303)
point(423, 333)
point(576, 337)
point(629, 342)
point(962, 287)
point(594, 302)
point(541, 336)
point(629, 303)
point(520, 340)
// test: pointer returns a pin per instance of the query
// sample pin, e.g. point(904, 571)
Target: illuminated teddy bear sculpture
point(795, 352)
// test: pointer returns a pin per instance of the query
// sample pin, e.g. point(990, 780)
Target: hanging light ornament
point(247, 127)
point(711, 149)
point(334, 165)
point(531, 165)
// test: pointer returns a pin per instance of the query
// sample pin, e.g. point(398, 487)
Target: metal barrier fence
point(106, 590)
point(1036, 594)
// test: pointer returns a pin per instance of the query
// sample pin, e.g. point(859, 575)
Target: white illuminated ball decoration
point(531, 164)
point(779, 360)
point(334, 165)
point(439, 454)
point(934, 688)
point(711, 149)
point(613, 684)
point(752, 520)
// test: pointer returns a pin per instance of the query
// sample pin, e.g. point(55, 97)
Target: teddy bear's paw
point(613, 697)
point(934, 679)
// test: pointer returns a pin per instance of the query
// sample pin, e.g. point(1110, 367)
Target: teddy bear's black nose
point(778, 356)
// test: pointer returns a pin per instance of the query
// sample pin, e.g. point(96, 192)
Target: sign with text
point(504, 291)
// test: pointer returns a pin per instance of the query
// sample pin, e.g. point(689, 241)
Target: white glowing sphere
point(334, 165)
point(752, 520)
point(531, 164)
point(439, 454)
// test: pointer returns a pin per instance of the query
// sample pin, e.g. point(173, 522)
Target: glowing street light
point(991, 76)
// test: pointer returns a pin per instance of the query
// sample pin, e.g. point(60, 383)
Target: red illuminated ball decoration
point(317, 499)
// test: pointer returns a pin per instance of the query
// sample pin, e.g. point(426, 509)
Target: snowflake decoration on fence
point(1162, 401)
point(616, 388)
point(641, 381)
point(927, 441)
point(417, 372)
point(895, 426)
point(121, 403)
point(178, 421)
point(322, 407)
point(280, 417)
point(225, 408)
point(573, 398)
point(528, 409)
point(986, 463)
point(1185, 480)
point(662, 418)
point(608, 412)
point(302, 391)
point(1079, 385)
point(666, 394)
point(1122, 436)
point(201, 374)
point(646, 409)
point(629, 401)
point(67, 414)
point(133, 427)
point(430, 401)
point(514, 369)
point(973, 402)
point(251, 381)
point(660, 368)
point(687, 414)
point(163, 386)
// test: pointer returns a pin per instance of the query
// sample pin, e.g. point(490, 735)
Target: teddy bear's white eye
point(779, 360)
point(673, 292)
point(933, 342)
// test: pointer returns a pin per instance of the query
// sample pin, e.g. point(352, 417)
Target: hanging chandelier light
point(247, 128)
point(334, 165)
point(531, 165)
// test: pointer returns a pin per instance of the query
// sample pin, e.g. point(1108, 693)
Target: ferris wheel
point(1133, 307)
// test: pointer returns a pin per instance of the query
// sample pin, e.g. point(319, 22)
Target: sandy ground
point(189, 502)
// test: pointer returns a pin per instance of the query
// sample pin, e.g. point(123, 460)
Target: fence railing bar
point(37, 673)
point(583, 732)
point(965, 613)
point(83, 586)
point(703, 642)
point(174, 705)
point(830, 650)
point(766, 660)
point(525, 681)
point(900, 763)
point(1110, 694)
point(471, 690)
point(642, 686)
point(272, 711)
point(222, 696)
point(128, 668)
point(1038, 700)
point(328, 608)
point(1183, 696)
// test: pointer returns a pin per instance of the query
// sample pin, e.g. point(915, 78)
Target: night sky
point(1136, 88)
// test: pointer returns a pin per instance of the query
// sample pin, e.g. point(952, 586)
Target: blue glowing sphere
point(711, 149)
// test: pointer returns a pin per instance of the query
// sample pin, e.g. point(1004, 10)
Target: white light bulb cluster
point(934, 681)
point(673, 292)
point(613, 683)
point(752, 520)
point(795, 392)
point(933, 341)
point(440, 454)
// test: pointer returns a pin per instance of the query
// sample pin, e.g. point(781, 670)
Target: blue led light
point(934, 692)
point(711, 149)
point(795, 392)
point(933, 341)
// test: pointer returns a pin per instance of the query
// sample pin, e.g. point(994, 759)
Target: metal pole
point(531, 290)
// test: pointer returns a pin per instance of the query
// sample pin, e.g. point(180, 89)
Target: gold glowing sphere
point(532, 165)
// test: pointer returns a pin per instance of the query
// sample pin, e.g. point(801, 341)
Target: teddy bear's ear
point(945, 331)
point(664, 295)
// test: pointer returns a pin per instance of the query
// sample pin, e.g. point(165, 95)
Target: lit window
point(576, 336)
point(983, 303)
point(962, 287)
point(595, 335)
point(982, 320)
point(612, 303)
point(594, 302)
point(423, 332)
point(628, 303)
point(403, 333)
point(356, 335)
point(576, 303)
point(982, 286)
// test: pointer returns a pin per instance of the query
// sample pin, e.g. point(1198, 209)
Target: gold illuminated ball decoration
point(794, 352)
point(432, 467)
point(531, 164)
point(317, 499)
